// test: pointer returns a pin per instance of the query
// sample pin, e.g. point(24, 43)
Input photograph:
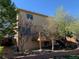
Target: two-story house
point(29, 23)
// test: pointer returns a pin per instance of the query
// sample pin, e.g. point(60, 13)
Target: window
point(29, 16)
point(25, 31)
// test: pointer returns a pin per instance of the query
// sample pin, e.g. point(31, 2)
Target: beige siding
point(23, 21)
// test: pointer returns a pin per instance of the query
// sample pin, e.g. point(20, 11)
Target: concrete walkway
point(46, 54)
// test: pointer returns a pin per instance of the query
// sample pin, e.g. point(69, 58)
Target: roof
point(31, 12)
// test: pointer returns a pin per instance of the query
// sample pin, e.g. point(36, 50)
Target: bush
point(73, 57)
point(1, 50)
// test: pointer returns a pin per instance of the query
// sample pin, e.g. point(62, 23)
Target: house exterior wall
point(24, 41)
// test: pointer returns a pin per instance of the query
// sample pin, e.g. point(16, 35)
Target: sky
point(49, 7)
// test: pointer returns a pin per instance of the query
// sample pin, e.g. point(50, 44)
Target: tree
point(67, 25)
point(7, 18)
point(64, 21)
point(52, 30)
point(47, 29)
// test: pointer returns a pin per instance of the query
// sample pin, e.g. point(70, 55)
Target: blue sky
point(49, 7)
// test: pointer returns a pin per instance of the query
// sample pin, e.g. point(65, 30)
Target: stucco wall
point(26, 43)
point(23, 22)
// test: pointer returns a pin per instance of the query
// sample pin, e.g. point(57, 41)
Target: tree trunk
point(40, 45)
point(52, 44)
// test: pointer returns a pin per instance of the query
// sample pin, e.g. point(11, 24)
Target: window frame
point(29, 16)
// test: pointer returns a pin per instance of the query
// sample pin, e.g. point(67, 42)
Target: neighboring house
point(27, 19)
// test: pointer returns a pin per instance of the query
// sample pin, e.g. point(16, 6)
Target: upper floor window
point(29, 16)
